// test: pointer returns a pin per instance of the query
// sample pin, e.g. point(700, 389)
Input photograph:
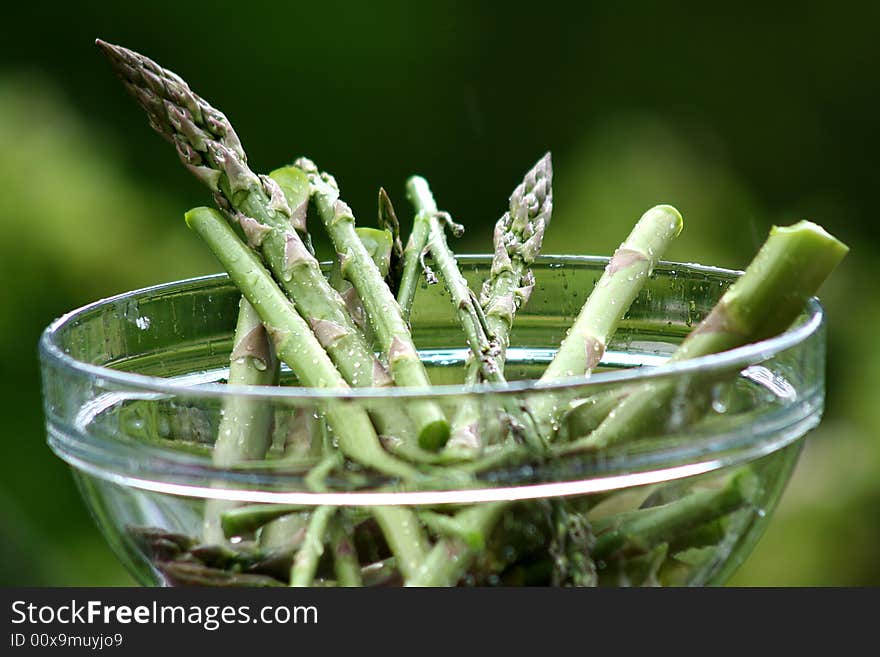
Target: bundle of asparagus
point(351, 329)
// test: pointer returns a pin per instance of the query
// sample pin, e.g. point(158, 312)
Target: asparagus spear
point(378, 244)
point(345, 558)
point(644, 528)
point(210, 149)
point(294, 342)
point(306, 561)
point(298, 347)
point(384, 313)
point(470, 314)
point(764, 301)
point(249, 518)
point(405, 536)
point(245, 431)
point(450, 558)
point(517, 240)
point(391, 421)
point(411, 267)
point(625, 275)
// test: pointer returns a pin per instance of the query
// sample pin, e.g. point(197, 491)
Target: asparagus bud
point(209, 147)
point(517, 240)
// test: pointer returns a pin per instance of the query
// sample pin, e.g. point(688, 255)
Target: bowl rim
point(163, 470)
point(52, 354)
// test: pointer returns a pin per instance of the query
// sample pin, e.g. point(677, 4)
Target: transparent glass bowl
point(133, 398)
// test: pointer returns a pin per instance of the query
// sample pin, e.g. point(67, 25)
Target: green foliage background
point(741, 116)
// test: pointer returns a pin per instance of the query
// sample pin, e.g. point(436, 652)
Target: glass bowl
point(134, 393)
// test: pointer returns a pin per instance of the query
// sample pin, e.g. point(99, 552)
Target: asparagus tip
point(545, 164)
point(112, 51)
point(387, 215)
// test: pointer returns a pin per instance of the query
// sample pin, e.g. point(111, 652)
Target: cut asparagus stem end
point(763, 302)
point(434, 435)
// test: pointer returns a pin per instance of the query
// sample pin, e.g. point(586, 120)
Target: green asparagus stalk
point(644, 528)
point(517, 241)
point(306, 562)
point(391, 421)
point(450, 558)
point(208, 146)
point(404, 535)
point(345, 558)
point(294, 342)
point(378, 244)
point(298, 347)
point(384, 313)
point(245, 431)
point(518, 237)
point(245, 519)
point(626, 274)
point(411, 267)
point(470, 314)
point(763, 302)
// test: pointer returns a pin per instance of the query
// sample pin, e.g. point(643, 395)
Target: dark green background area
point(740, 115)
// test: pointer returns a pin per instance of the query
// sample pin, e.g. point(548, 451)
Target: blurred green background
point(741, 116)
